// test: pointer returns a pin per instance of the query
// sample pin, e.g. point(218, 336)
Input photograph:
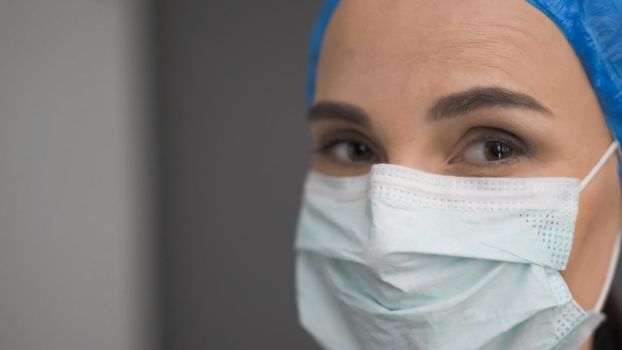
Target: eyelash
point(519, 148)
point(329, 143)
point(329, 146)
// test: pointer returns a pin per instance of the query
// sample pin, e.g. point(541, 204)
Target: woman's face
point(466, 88)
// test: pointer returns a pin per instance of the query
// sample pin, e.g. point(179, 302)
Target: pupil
point(498, 150)
point(358, 150)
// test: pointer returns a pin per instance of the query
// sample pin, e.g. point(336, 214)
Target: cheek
point(598, 222)
point(599, 219)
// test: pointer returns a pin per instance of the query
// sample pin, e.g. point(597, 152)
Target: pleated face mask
point(399, 259)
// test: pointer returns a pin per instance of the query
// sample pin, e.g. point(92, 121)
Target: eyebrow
point(449, 106)
point(472, 99)
point(331, 110)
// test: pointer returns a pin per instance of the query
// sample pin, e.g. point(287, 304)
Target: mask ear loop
point(614, 145)
point(615, 255)
point(610, 272)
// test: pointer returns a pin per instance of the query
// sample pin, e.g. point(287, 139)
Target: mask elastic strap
point(608, 279)
point(614, 145)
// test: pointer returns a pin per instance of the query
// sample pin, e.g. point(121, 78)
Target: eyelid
point(329, 141)
point(494, 133)
point(340, 133)
point(327, 151)
point(483, 134)
point(516, 146)
point(348, 135)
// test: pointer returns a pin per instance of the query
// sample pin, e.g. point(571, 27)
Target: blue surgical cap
point(592, 27)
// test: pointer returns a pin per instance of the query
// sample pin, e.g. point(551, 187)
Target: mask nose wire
point(614, 145)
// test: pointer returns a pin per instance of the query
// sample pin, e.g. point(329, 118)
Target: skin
point(393, 59)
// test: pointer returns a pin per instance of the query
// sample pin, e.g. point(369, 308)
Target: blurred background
point(151, 161)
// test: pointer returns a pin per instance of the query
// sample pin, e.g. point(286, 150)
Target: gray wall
point(74, 251)
point(233, 151)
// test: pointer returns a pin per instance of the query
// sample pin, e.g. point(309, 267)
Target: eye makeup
point(347, 147)
point(479, 150)
point(509, 147)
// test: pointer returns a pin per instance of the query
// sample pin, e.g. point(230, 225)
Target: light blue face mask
point(403, 259)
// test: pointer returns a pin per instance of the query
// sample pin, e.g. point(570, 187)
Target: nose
point(416, 156)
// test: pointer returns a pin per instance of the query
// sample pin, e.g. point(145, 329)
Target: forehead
point(393, 50)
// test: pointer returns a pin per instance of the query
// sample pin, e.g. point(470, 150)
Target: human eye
point(489, 147)
point(348, 149)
